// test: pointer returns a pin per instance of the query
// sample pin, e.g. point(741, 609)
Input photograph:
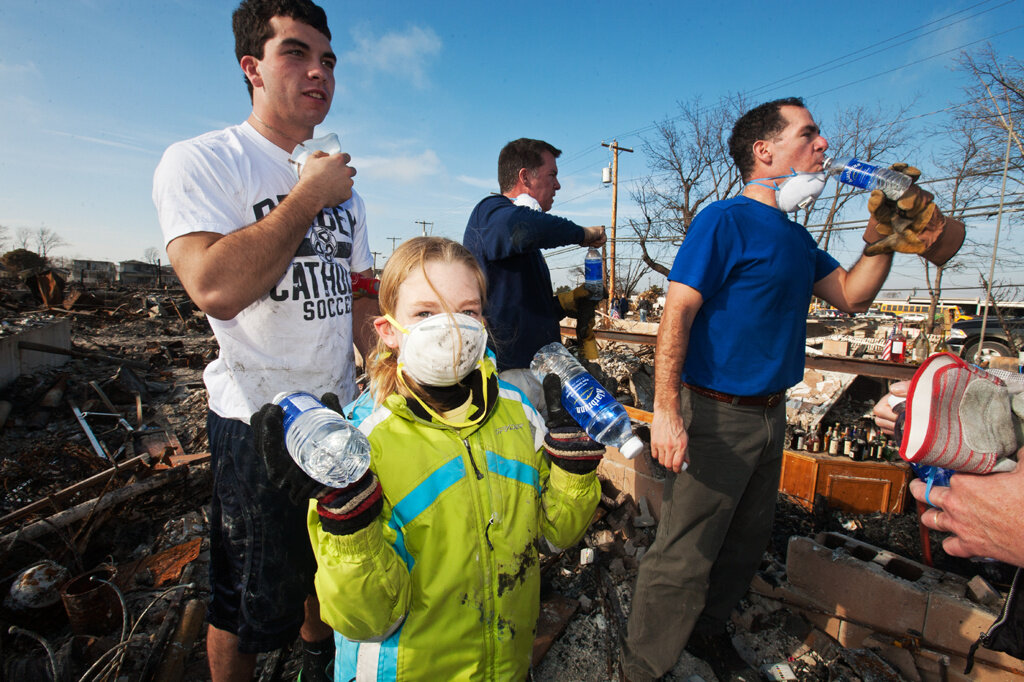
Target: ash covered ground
point(44, 450)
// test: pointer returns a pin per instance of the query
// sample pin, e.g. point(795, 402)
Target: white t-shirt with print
point(297, 336)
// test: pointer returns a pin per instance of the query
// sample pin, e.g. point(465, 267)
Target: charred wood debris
point(104, 465)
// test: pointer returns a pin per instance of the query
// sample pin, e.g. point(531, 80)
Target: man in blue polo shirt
point(731, 341)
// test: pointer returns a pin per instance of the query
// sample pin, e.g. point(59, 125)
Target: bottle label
point(858, 174)
point(583, 395)
point(295, 404)
point(593, 270)
point(897, 348)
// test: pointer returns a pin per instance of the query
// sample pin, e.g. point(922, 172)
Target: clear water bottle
point(589, 403)
point(329, 449)
point(856, 173)
point(593, 273)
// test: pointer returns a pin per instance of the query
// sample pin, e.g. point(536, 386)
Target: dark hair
point(251, 24)
point(763, 122)
point(518, 154)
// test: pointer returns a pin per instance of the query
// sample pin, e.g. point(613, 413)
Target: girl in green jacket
point(428, 566)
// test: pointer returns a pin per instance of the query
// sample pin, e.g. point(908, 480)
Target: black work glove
point(282, 471)
point(568, 445)
point(342, 510)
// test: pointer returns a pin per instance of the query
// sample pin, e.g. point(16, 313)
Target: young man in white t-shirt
point(269, 258)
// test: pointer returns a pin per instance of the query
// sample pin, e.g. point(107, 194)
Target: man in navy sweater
point(506, 233)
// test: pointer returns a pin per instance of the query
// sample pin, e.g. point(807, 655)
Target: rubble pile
point(106, 482)
point(105, 473)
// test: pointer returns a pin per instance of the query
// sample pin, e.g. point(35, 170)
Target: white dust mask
point(798, 190)
point(528, 201)
point(329, 144)
point(440, 350)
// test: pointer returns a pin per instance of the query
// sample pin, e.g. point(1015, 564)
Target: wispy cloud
point(490, 183)
point(101, 141)
point(405, 168)
point(9, 69)
point(403, 54)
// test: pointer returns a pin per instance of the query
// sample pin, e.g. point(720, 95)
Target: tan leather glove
point(579, 305)
point(569, 301)
point(914, 224)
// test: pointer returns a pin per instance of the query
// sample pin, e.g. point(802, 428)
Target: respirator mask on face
point(441, 350)
point(329, 144)
point(797, 190)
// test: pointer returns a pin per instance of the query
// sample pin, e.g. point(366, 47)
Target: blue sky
point(94, 90)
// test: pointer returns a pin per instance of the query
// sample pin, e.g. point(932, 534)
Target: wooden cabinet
point(856, 487)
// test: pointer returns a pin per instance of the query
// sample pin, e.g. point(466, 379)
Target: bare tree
point(630, 271)
point(151, 255)
point(994, 102)
point(4, 232)
point(47, 240)
point(993, 111)
point(959, 188)
point(23, 238)
point(690, 167)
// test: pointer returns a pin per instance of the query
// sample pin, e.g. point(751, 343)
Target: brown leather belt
point(763, 400)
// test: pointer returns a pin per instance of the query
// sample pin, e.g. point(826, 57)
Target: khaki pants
point(716, 520)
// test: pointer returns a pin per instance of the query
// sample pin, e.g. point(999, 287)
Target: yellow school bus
point(921, 309)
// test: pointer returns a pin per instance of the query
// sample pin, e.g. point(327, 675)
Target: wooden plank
point(51, 501)
point(639, 415)
point(555, 613)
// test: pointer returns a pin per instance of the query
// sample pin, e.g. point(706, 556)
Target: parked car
point(964, 336)
point(913, 318)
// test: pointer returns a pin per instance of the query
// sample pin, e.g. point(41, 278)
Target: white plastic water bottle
point(856, 173)
point(329, 449)
point(595, 409)
point(593, 273)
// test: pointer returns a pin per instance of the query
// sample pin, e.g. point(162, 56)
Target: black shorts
point(261, 560)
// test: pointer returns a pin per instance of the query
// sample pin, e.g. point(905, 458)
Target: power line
point(819, 70)
point(590, 149)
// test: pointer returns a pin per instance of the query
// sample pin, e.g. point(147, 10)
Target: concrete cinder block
point(852, 636)
point(634, 477)
point(854, 589)
point(898, 657)
point(938, 667)
point(954, 624)
point(983, 593)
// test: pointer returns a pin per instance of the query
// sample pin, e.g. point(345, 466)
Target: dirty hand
point(268, 427)
point(328, 177)
point(885, 415)
point(980, 512)
point(913, 224)
point(594, 236)
point(669, 440)
point(569, 447)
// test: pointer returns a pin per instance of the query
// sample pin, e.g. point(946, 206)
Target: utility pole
point(614, 146)
point(375, 254)
point(424, 223)
point(393, 240)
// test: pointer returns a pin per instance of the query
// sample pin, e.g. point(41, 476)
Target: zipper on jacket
point(479, 476)
point(487, 531)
